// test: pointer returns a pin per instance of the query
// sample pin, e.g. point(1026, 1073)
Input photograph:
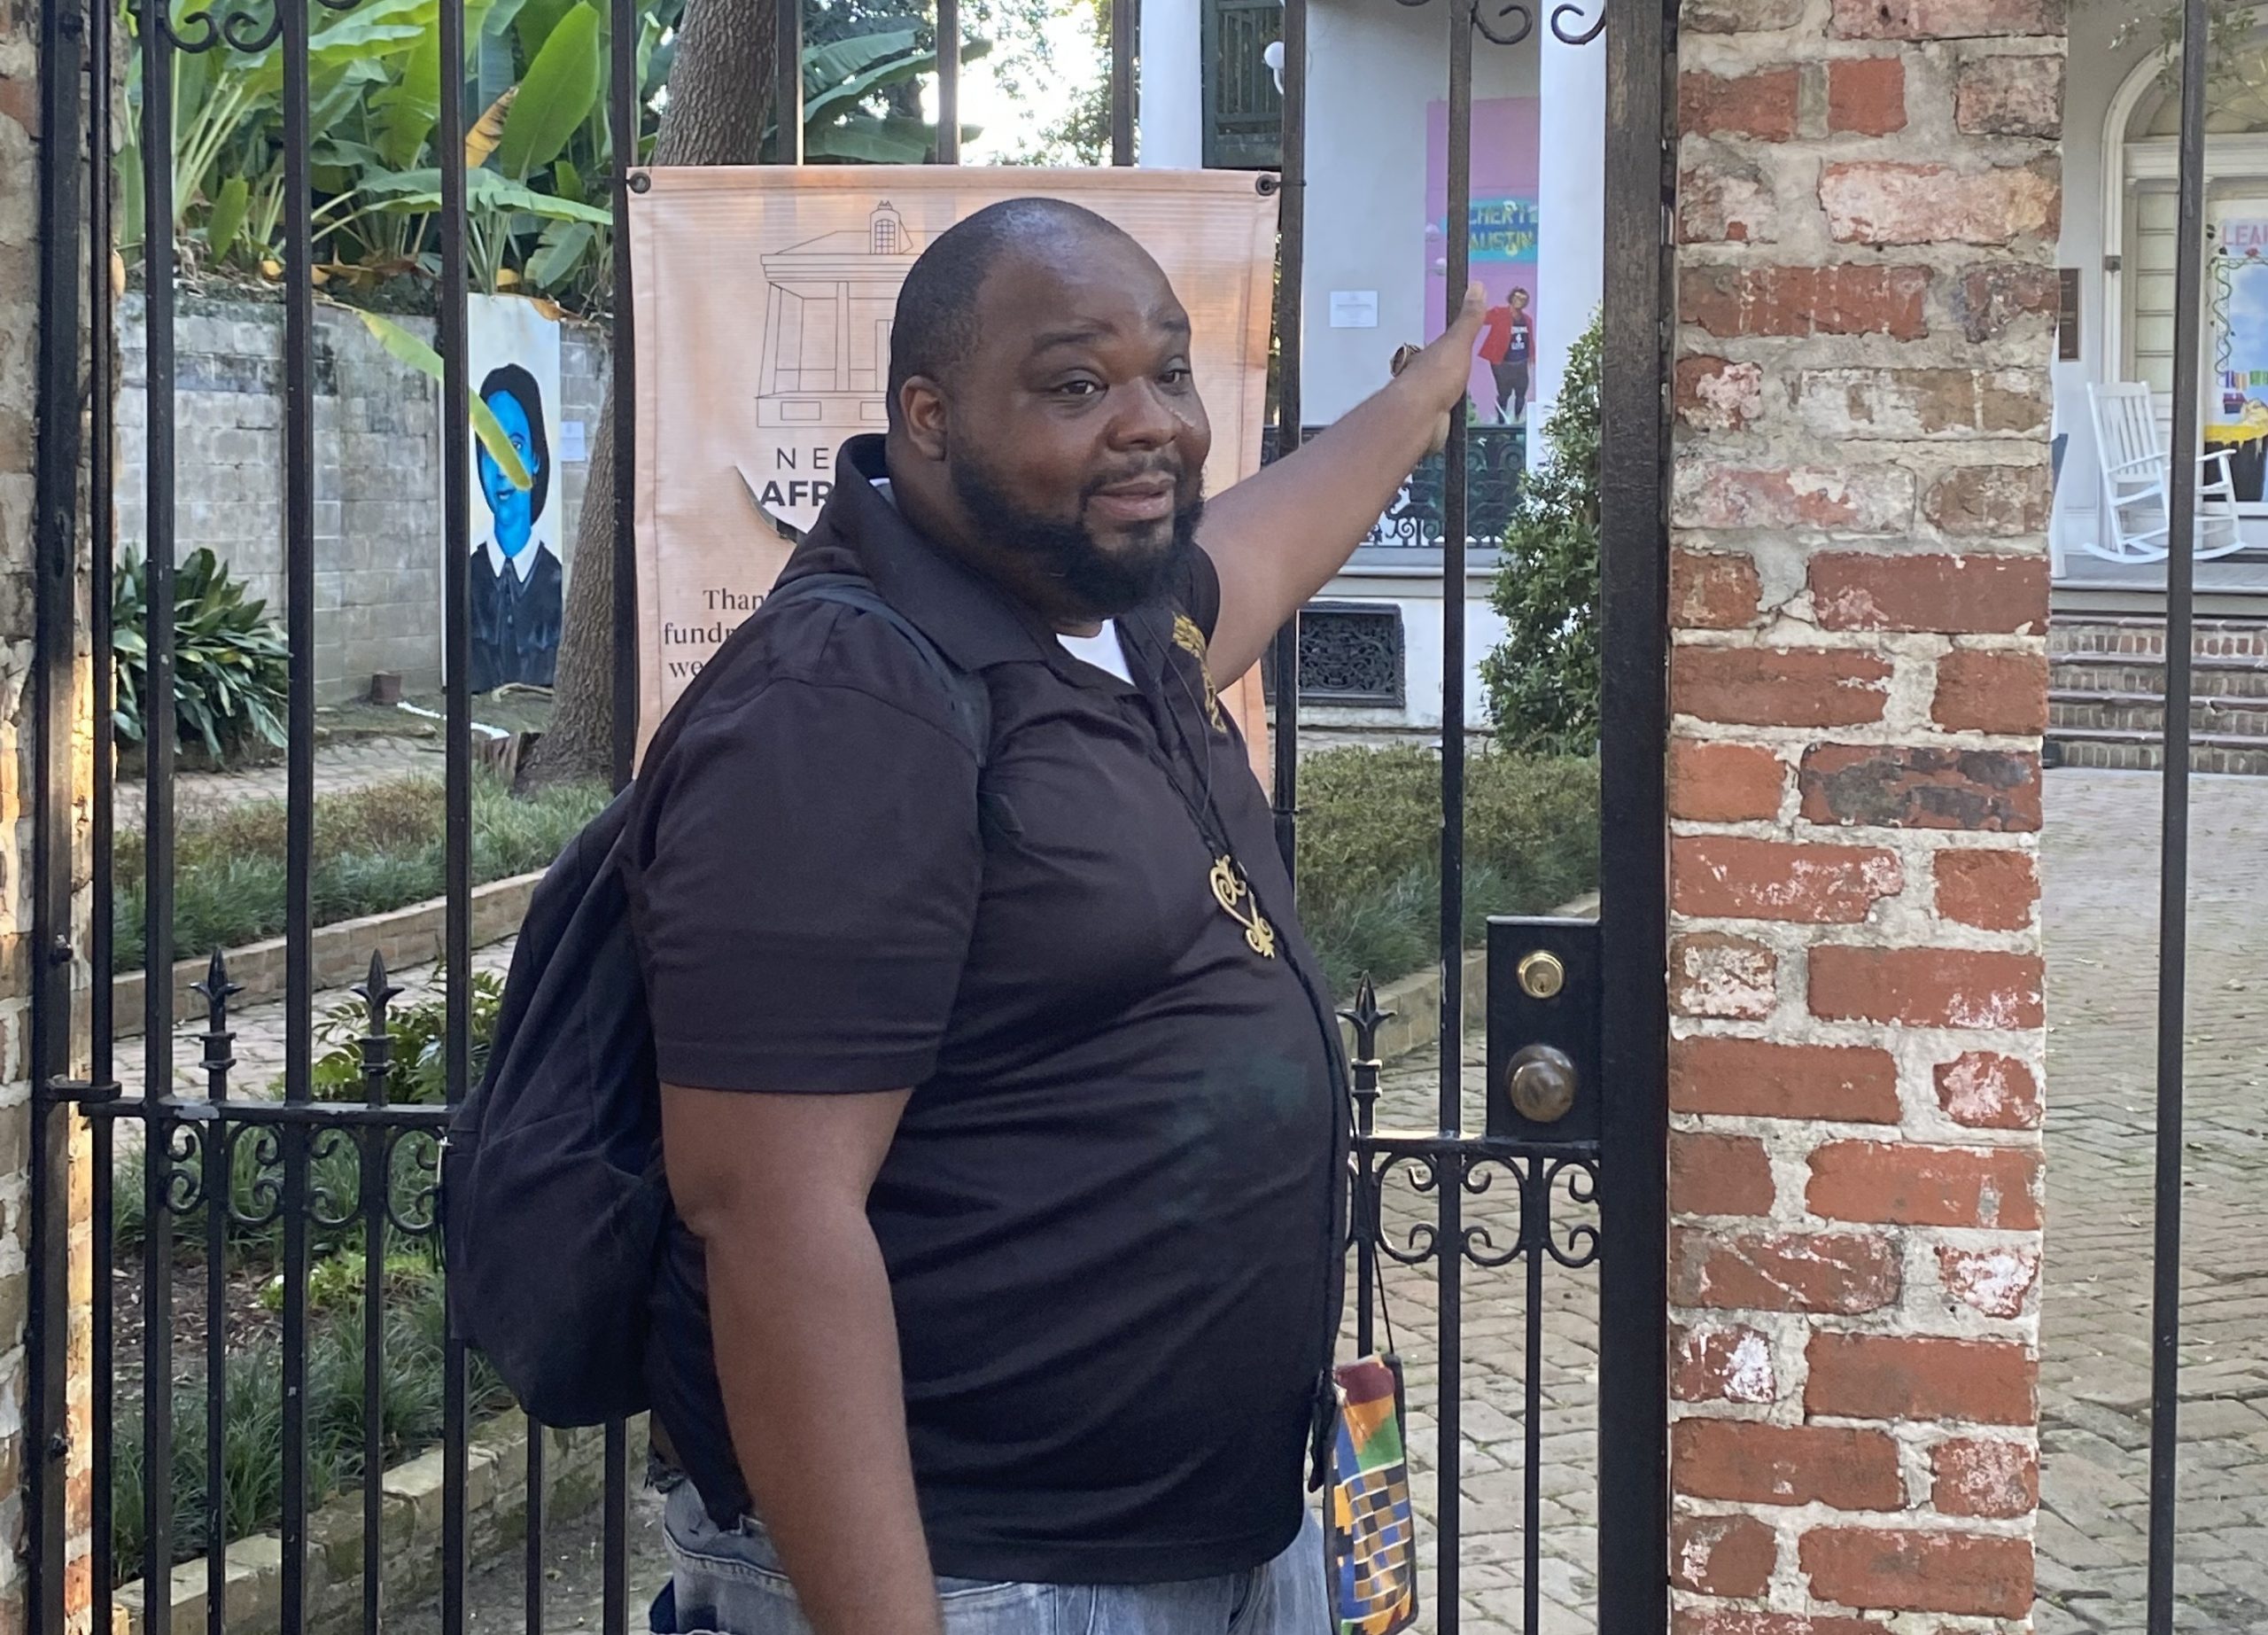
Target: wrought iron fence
point(341, 1163)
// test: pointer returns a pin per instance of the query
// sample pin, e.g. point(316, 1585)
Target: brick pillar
point(1868, 215)
point(21, 418)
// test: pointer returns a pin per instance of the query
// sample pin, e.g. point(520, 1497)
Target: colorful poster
point(1501, 237)
point(2241, 307)
point(763, 299)
point(518, 575)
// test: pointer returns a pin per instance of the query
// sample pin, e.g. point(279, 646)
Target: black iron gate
point(1577, 1040)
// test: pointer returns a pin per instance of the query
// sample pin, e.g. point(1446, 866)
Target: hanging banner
point(763, 298)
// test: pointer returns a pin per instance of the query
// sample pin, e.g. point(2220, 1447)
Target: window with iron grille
point(1244, 111)
point(1350, 653)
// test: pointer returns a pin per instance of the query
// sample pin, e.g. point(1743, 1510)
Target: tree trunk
point(720, 97)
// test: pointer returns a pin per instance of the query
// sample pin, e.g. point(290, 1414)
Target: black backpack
point(553, 1202)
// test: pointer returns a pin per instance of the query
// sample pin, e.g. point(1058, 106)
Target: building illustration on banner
point(519, 569)
point(825, 372)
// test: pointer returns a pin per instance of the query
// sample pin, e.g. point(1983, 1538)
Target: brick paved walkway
point(2101, 885)
point(2100, 881)
point(351, 763)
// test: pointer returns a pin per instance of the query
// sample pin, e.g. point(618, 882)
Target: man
point(1508, 346)
point(1003, 1113)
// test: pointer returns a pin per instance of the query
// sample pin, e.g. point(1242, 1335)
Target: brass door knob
point(1541, 1080)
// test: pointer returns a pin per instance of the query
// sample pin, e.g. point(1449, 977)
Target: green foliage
point(231, 668)
point(375, 848)
point(538, 218)
point(1544, 679)
point(1369, 849)
point(419, 1032)
point(408, 1408)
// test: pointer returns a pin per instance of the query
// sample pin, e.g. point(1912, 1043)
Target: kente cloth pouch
point(1374, 1527)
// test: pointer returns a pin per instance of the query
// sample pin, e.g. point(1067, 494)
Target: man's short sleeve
point(807, 893)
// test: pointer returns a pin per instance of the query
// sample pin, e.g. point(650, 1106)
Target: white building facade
point(1376, 134)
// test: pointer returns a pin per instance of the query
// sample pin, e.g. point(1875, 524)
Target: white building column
point(1169, 117)
point(1571, 208)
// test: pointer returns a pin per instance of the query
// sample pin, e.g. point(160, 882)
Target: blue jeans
point(730, 1583)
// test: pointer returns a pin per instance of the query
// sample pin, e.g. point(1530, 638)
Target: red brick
point(1997, 1281)
point(1726, 201)
point(1989, 1092)
point(1866, 96)
point(1730, 876)
point(1845, 1273)
point(1994, 890)
point(1992, 692)
point(1724, 782)
point(1762, 106)
point(1713, 975)
point(1722, 1365)
point(1891, 785)
point(1991, 502)
point(1851, 499)
point(1713, 1174)
point(1779, 687)
point(1968, 1575)
point(1945, 19)
point(1898, 1184)
point(1749, 1462)
point(1735, 1621)
point(1805, 300)
point(1713, 590)
point(1953, 596)
point(1877, 1376)
point(1756, 1079)
point(1926, 987)
point(19, 100)
point(1713, 394)
point(1722, 1554)
point(1995, 1479)
point(1881, 203)
point(2010, 96)
point(1992, 299)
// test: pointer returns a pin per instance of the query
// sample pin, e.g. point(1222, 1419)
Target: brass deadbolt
point(1541, 1080)
point(1542, 974)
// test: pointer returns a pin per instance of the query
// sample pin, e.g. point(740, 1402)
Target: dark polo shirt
point(1112, 1213)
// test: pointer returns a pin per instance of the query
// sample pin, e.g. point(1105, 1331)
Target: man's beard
point(1102, 583)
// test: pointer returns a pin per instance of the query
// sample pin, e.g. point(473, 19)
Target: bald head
point(936, 324)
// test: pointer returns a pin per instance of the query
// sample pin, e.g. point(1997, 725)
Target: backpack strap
point(971, 701)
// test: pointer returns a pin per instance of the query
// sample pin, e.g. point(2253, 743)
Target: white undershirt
point(1101, 649)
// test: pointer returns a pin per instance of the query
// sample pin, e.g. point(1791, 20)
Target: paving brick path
point(350, 763)
point(2101, 883)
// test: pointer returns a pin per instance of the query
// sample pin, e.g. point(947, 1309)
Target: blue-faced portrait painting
point(518, 582)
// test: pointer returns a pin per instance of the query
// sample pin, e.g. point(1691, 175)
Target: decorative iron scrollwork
point(412, 1210)
point(244, 27)
point(1479, 1241)
point(1580, 1239)
point(1500, 32)
point(323, 1207)
point(1566, 33)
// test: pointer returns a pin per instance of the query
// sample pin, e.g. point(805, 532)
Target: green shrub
point(409, 1409)
point(1543, 678)
point(1369, 849)
point(375, 848)
point(231, 668)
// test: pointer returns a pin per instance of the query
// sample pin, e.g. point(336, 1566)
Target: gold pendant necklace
point(1234, 895)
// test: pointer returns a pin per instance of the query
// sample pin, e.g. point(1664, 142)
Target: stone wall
point(378, 461)
point(1866, 216)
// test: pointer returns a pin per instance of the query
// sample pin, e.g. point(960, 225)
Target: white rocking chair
point(2134, 492)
